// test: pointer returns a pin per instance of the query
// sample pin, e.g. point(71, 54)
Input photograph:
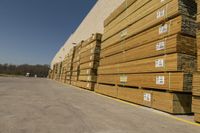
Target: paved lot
point(44, 106)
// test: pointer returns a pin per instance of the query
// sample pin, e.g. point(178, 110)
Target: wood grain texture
point(179, 82)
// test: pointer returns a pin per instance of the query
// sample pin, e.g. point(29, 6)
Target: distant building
point(93, 23)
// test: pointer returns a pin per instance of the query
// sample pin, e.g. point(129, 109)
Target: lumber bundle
point(171, 102)
point(196, 79)
point(57, 71)
point(86, 62)
point(149, 46)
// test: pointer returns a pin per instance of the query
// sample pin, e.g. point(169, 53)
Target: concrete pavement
point(29, 105)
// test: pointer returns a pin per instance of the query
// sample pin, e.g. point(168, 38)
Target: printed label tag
point(162, 0)
point(159, 63)
point(123, 79)
point(124, 33)
point(90, 57)
point(147, 97)
point(160, 46)
point(163, 29)
point(88, 71)
point(90, 64)
point(160, 80)
point(160, 13)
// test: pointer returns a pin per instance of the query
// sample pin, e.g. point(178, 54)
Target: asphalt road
point(45, 106)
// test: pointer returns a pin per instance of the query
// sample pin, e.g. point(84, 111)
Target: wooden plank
point(177, 25)
point(179, 82)
point(89, 65)
point(146, 17)
point(123, 53)
point(106, 90)
point(119, 12)
point(166, 63)
point(174, 103)
point(88, 72)
point(86, 85)
point(197, 117)
point(198, 48)
point(91, 58)
point(196, 104)
point(196, 84)
point(88, 78)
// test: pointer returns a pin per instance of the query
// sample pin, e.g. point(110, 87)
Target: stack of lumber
point(57, 71)
point(76, 64)
point(69, 60)
point(196, 79)
point(50, 75)
point(89, 61)
point(148, 54)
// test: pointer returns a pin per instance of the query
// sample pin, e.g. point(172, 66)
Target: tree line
point(10, 69)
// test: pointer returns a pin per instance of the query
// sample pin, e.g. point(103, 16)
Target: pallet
point(133, 51)
point(178, 82)
point(166, 63)
point(174, 103)
point(180, 24)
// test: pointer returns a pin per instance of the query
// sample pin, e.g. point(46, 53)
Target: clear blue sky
point(32, 31)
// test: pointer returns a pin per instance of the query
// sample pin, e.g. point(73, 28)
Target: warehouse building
point(91, 24)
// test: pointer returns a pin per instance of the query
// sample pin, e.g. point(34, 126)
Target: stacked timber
point(89, 61)
point(76, 65)
point(148, 54)
point(69, 66)
point(57, 71)
point(196, 79)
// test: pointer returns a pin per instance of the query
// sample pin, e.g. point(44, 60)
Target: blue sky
point(32, 31)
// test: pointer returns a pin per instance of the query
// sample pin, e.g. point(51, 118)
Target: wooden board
point(146, 17)
point(88, 72)
point(91, 58)
point(106, 90)
point(133, 51)
point(174, 103)
point(179, 24)
point(197, 117)
point(89, 78)
point(166, 63)
point(89, 65)
point(198, 48)
point(119, 12)
point(196, 84)
point(85, 85)
point(161, 81)
point(196, 104)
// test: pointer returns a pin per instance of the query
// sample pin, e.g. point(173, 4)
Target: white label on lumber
point(90, 57)
point(162, 0)
point(124, 33)
point(147, 97)
point(159, 63)
point(123, 79)
point(160, 80)
point(160, 46)
point(160, 13)
point(163, 29)
point(90, 64)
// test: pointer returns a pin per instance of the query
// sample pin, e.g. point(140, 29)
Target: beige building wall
point(93, 23)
